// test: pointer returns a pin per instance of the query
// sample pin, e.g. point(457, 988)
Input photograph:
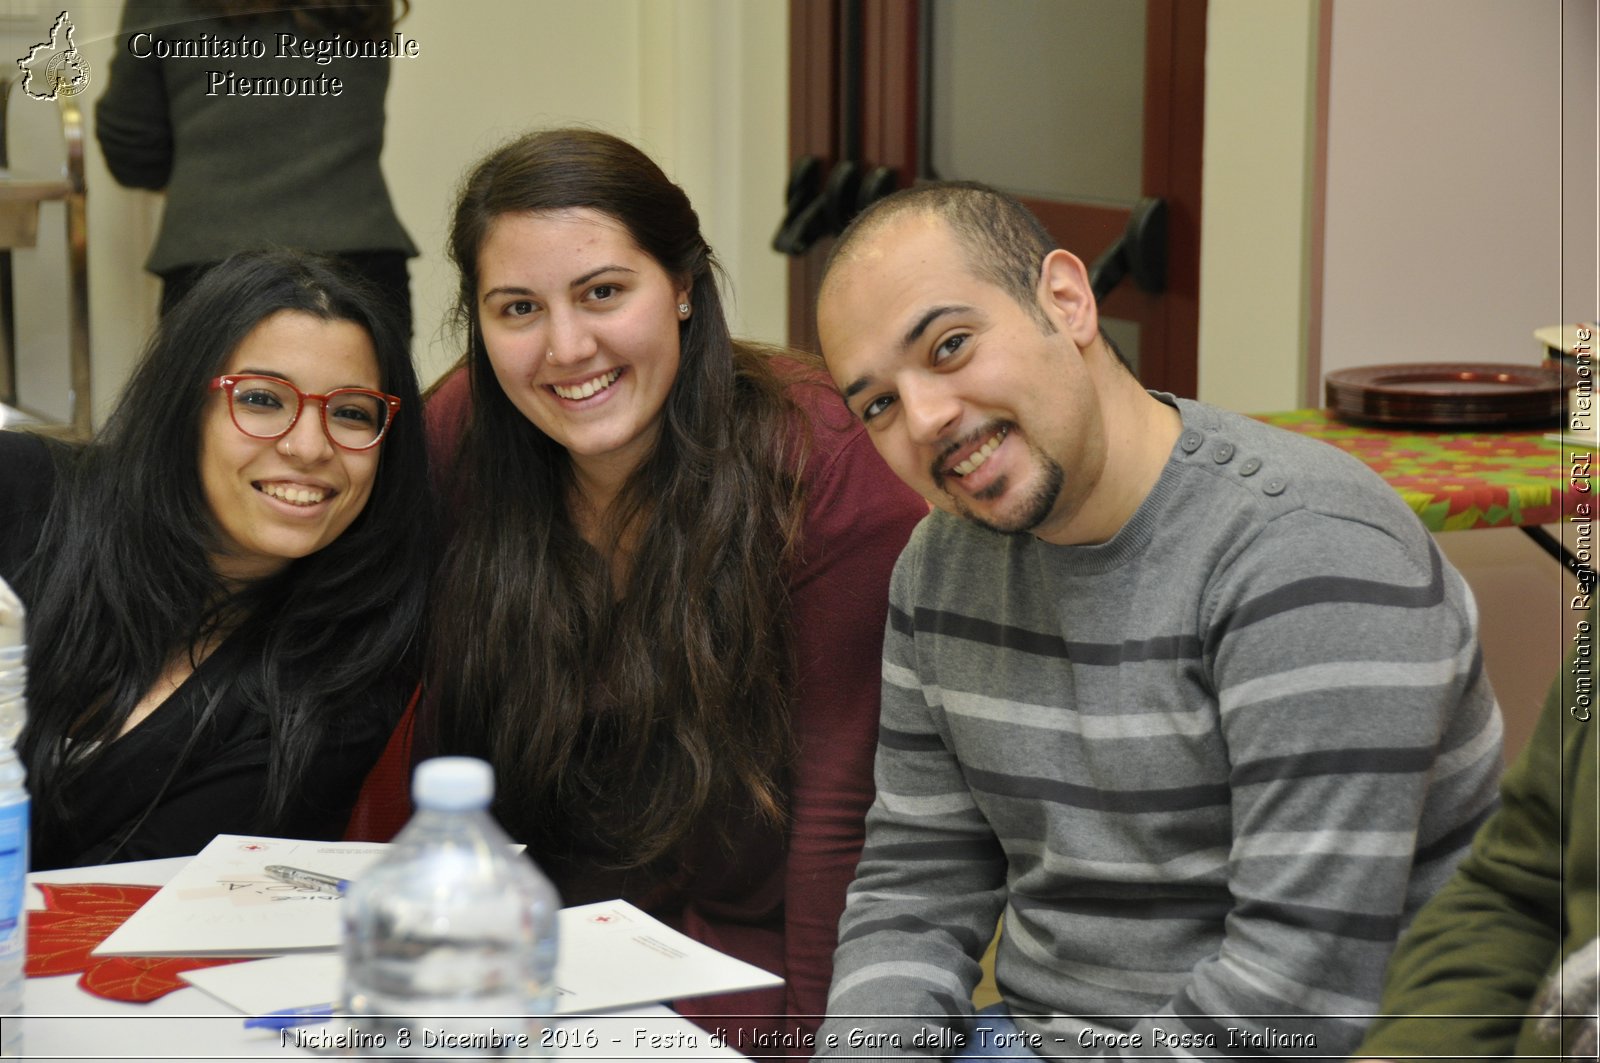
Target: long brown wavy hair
point(620, 724)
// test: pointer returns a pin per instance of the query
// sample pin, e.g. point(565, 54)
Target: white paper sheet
point(612, 955)
point(223, 903)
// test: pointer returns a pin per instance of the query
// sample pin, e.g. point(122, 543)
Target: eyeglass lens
point(266, 408)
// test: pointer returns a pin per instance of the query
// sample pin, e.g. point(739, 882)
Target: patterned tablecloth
point(1457, 479)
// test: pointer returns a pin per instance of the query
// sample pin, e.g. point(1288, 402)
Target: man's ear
point(1067, 297)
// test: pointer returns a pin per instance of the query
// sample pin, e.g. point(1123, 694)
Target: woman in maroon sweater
point(661, 613)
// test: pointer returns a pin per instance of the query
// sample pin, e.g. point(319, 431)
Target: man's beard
point(1036, 507)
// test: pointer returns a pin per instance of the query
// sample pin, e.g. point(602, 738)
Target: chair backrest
point(384, 803)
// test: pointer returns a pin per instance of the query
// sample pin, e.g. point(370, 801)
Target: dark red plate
point(1448, 394)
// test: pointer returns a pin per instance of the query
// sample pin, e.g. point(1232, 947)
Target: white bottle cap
point(451, 784)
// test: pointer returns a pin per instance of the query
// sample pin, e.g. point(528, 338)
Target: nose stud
point(550, 355)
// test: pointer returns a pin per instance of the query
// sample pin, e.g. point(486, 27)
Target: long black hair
point(123, 580)
point(620, 725)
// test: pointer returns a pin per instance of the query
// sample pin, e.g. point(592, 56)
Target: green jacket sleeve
point(1460, 982)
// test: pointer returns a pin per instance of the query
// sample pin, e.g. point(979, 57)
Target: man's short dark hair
point(1004, 242)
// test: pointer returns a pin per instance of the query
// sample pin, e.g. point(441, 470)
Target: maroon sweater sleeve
point(858, 518)
point(444, 420)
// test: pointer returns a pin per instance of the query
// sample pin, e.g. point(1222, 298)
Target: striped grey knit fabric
point(1206, 770)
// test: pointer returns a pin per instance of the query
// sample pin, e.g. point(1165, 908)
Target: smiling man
point(1195, 704)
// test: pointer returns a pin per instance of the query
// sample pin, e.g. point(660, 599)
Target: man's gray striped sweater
point(1206, 770)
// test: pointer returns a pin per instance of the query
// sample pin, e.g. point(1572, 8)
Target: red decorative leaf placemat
point(76, 918)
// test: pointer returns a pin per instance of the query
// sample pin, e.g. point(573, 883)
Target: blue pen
point(297, 876)
point(282, 1020)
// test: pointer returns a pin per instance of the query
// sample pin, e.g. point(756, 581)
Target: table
point(1457, 479)
point(62, 1022)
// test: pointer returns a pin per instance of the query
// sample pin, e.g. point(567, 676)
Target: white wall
point(1445, 229)
point(1255, 202)
point(1460, 207)
point(1580, 162)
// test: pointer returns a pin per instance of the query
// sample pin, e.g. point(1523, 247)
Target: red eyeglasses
point(266, 407)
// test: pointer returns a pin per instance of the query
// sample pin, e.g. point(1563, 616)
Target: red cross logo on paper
point(602, 918)
point(252, 847)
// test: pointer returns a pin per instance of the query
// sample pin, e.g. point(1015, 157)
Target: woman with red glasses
point(661, 612)
point(224, 585)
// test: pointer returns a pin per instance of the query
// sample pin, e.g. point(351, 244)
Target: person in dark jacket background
point(256, 160)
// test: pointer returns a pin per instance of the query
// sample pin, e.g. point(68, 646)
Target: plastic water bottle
point(13, 824)
point(450, 938)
